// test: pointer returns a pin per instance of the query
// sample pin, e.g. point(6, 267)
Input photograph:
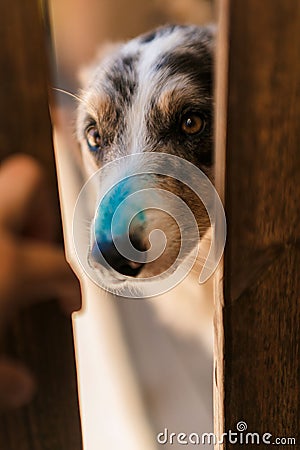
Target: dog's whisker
point(70, 94)
point(75, 97)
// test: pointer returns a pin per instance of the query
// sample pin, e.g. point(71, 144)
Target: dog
point(145, 107)
point(151, 95)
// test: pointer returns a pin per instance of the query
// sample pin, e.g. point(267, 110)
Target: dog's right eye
point(192, 123)
point(93, 138)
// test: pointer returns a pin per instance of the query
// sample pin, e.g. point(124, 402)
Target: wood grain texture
point(42, 336)
point(261, 314)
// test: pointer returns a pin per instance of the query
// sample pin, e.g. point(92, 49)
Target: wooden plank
point(221, 82)
point(42, 336)
point(260, 351)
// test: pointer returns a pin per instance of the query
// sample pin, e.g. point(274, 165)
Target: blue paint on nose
point(108, 206)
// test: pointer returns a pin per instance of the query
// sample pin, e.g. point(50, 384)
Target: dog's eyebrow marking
point(169, 102)
point(102, 111)
point(177, 93)
point(98, 105)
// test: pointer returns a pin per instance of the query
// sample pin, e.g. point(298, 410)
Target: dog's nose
point(114, 259)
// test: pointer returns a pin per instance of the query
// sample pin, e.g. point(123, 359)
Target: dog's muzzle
point(117, 241)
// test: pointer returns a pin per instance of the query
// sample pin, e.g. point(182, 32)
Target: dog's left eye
point(93, 138)
point(192, 123)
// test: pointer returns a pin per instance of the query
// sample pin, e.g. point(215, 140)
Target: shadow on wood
point(42, 336)
point(260, 350)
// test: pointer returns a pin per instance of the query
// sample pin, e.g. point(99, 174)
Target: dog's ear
point(105, 50)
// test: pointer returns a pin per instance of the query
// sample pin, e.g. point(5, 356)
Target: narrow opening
point(145, 365)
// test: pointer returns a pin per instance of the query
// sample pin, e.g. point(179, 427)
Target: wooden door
point(41, 337)
point(258, 144)
point(258, 161)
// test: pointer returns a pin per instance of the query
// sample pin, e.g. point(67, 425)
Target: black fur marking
point(159, 32)
point(149, 37)
point(122, 79)
point(197, 66)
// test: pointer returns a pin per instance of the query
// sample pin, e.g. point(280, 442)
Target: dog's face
point(152, 94)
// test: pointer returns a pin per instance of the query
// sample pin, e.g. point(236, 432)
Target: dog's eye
point(93, 138)
point(192, 123)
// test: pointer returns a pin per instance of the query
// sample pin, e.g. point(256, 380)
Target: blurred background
point(79, 27)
